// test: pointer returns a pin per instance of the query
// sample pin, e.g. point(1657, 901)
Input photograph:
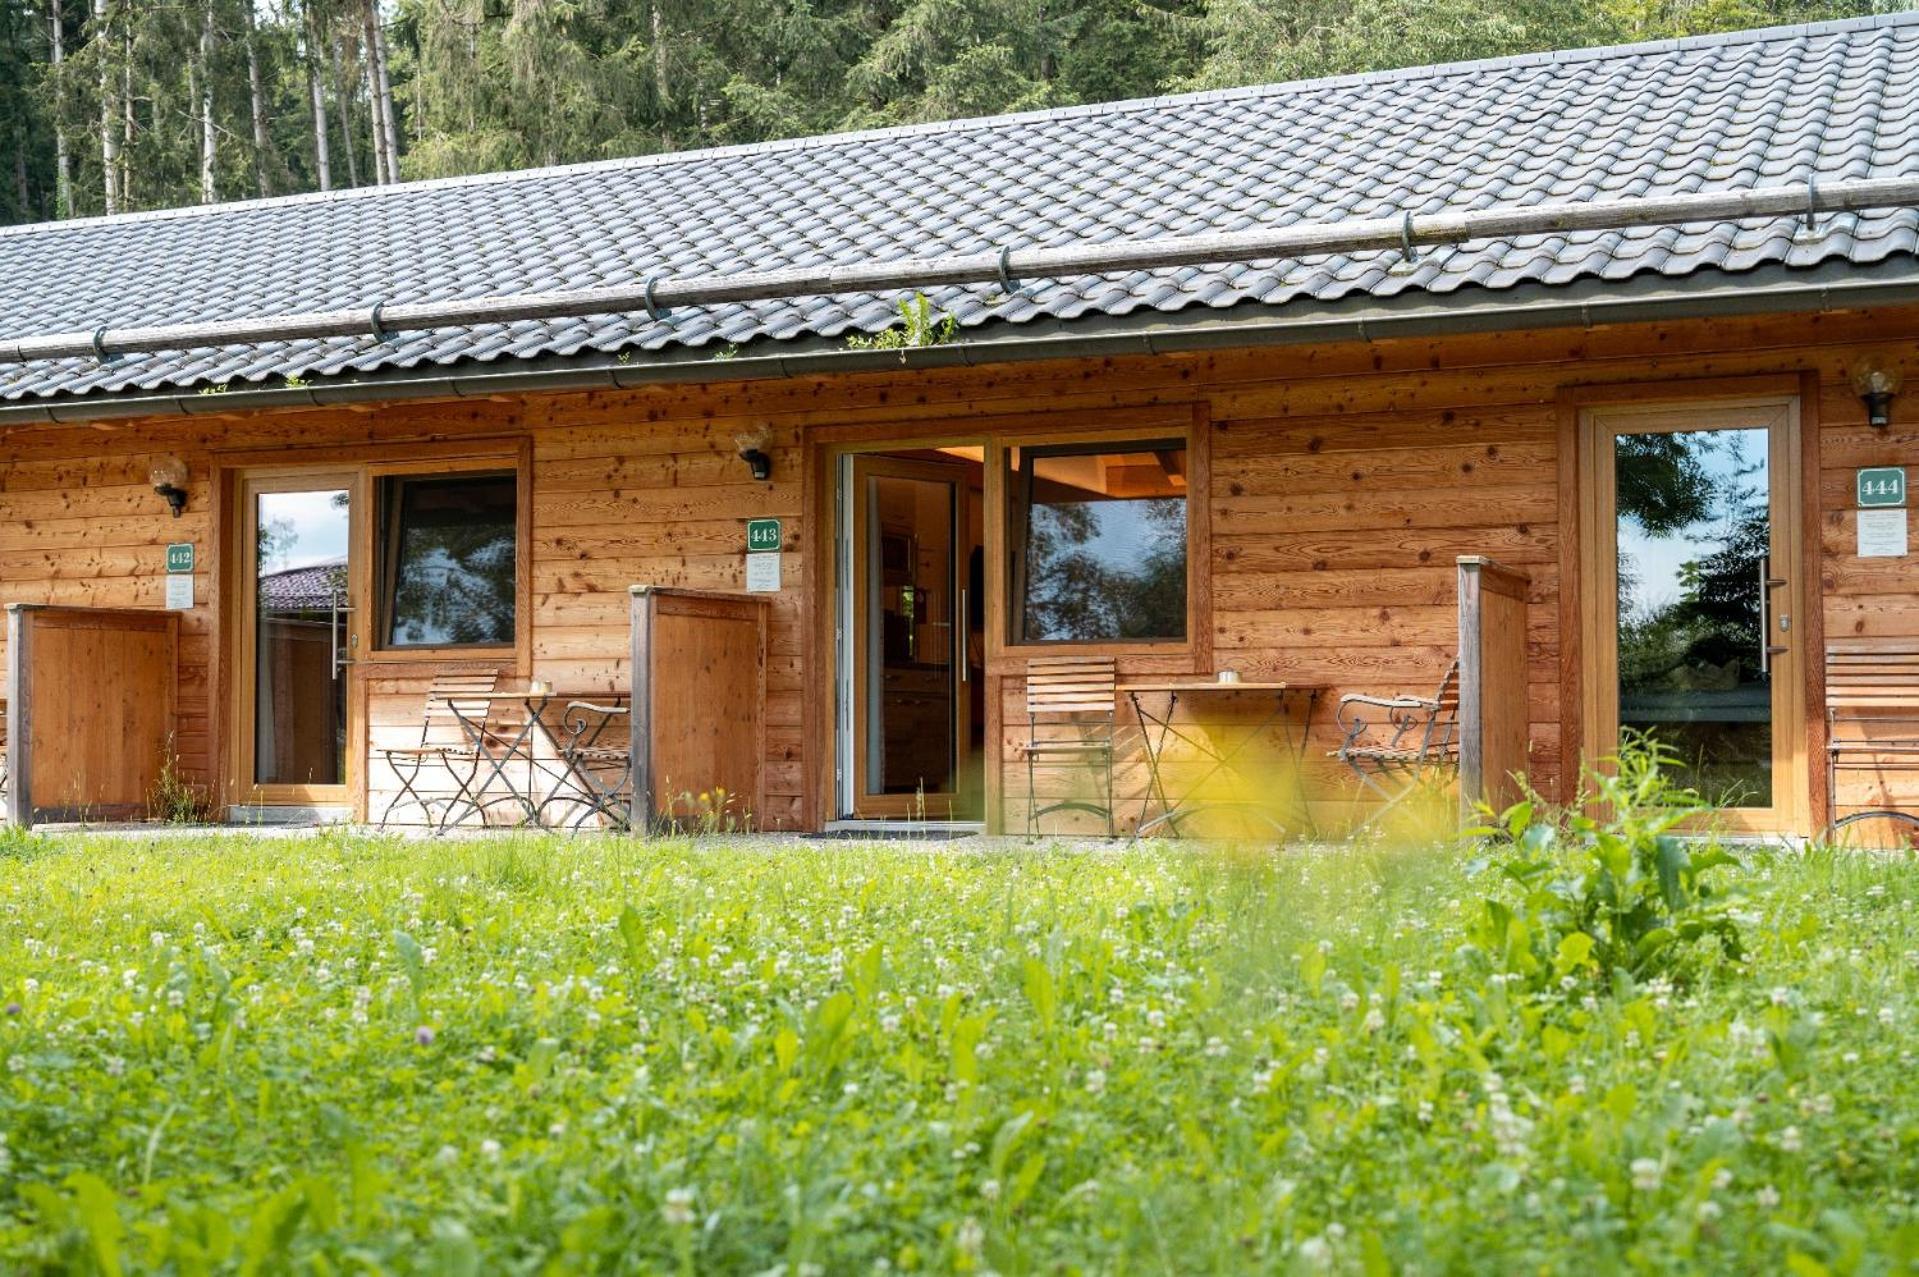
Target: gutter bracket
point(100, 345)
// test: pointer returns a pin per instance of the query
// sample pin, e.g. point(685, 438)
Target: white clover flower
point(1095, 1081)
point(1316, 1253)
point(490, 1149)
point(990, 1190)
point(1780, 995)
point(1767, 1197)
point(1647, 1174)
point(1790, 1140)
point(1708, 1211)
point(677, 1209)
point(971, 1237)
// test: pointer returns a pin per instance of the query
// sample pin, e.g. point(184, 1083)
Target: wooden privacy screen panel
point(91, 696)
point(1493, 736)
point(699, 708)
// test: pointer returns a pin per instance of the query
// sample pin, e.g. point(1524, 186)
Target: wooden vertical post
point(19, 719)
point(1494, 726)
point(641, 702)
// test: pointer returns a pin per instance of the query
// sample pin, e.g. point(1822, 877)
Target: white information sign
point(179, 593)
point(763, 573)
point(1882, 534)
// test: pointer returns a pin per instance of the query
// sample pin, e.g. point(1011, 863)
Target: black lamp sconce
point(1876, 384)
point(753, 452)
point(169, 479)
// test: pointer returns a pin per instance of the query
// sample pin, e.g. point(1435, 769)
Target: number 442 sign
point(1881, 486)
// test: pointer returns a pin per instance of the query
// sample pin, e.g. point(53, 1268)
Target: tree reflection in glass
point(1694, 532)
point(448, 572)
point(1104, 544)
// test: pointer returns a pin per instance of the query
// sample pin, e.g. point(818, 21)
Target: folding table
point(1221, 757)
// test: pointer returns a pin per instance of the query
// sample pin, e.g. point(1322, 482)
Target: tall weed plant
point(1627, 884)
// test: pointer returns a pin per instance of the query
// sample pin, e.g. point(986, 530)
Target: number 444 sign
point(1880, 486)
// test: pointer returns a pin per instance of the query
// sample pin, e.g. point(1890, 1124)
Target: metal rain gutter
point(657, 295)
point(1555, 309)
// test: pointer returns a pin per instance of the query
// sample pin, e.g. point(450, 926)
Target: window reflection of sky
point(1122, 533)
point(306, 528)
point(1736, 460)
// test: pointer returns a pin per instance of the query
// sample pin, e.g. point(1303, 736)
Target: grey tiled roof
point(1833, 101)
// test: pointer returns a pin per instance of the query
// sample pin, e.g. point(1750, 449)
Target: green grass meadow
point(345, 1054)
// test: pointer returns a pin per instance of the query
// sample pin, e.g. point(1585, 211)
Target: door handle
point(340, 660)
point(1767, 584)
point(959, 632)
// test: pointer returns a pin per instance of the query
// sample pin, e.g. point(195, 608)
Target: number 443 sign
point(1881, 486)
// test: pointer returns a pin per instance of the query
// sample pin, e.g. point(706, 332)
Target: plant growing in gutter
point(918, 326)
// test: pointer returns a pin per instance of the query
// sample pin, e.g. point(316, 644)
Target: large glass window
point(1100, 543)
point(448, 560)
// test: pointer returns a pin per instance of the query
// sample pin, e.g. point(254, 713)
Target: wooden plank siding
point(1344, 481)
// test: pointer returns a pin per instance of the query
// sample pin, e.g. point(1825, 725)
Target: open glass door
point(914, 639)
point(1694, 600)
point(297, 640)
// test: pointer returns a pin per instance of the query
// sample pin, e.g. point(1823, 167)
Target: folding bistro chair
point(1418, 738)
point(445, 744)
point(1072, 716)
point(1872, 720)
point(597, 749)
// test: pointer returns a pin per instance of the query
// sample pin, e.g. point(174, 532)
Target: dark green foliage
point(1617, 888)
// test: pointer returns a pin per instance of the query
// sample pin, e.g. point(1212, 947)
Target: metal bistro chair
point(1420, 736)
point(1871, 685)
point(1072, 716)
point(445, 743)
point(597, 750)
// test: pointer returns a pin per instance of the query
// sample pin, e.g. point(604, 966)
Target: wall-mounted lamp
point(1876, 384)
point(169, 479)
point(752, 446)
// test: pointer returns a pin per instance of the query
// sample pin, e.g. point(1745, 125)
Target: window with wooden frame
point(1100, 540)
point(447, 572)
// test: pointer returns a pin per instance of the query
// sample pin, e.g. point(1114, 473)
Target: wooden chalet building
point(1263, 464)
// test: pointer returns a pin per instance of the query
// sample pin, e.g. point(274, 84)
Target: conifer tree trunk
point(125, 152)
point(202, 72)
point(376, 122)
point(109, 113)
point(256, 88)
point(343, 96)
point(383, 91)
point(62, 162)
point(310, 61)
point(659, 71)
